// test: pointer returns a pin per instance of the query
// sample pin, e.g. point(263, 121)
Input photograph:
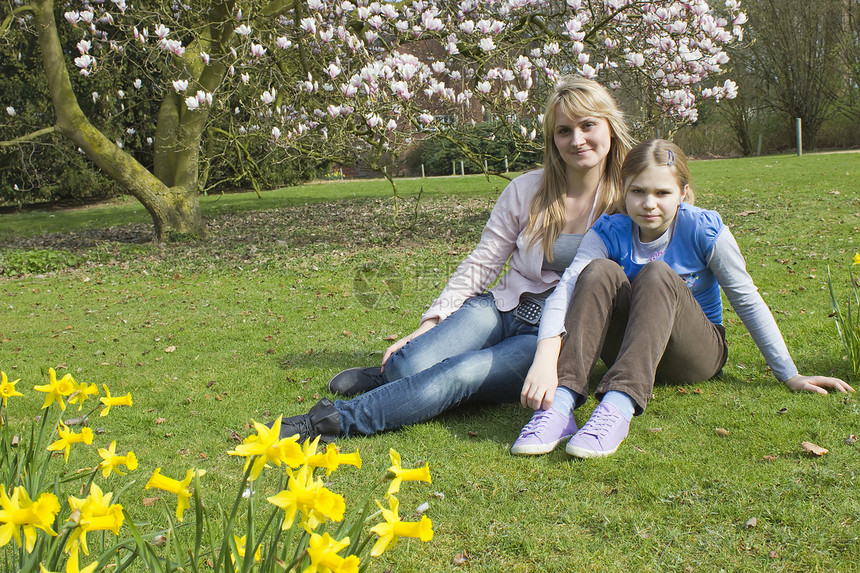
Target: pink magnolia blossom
point(85, 61)
point(268, 96)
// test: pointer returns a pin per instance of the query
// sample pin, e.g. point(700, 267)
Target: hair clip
point(670, 160)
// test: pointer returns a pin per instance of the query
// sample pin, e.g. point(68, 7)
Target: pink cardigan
point(502, 239)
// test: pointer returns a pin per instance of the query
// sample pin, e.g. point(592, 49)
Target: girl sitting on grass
point(647, 301)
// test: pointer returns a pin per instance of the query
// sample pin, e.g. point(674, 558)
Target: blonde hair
point(575, 96)
point(658, 152)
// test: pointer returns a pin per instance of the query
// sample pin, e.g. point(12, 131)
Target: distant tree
point(795, 55)
point(848, 102)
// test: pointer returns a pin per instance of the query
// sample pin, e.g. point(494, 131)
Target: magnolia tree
point(346, 80)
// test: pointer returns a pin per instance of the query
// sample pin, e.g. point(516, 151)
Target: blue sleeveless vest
point(688, 252)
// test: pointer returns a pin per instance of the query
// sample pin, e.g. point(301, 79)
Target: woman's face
point(583, 142)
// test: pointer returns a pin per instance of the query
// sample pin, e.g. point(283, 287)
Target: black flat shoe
point(356, 381)
point(322, 420)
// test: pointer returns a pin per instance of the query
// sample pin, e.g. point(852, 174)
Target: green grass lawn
point(291, 288)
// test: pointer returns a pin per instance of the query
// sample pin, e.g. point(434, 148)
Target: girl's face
point(652, 200)
point(582, 142)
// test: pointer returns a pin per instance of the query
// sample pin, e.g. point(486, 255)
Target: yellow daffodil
point(21, 513)
point(332, 459)
point(309, 496)
point(170, 485)
point(857, 258)
point(240, 549)
point(73, 567)
point(84, 390)
point(69, 437)
point(267, 446)
point(109, 400)
point(57, 389)
point(111, 461)
point(93, 513)
point(398, 474)
point(393, 528)
point(323, 549)
point(7, 389)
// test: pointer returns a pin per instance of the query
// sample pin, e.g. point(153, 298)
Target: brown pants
point(647, 329)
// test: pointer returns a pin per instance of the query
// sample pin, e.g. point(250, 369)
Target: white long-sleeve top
point(503, 240)
point(729, 268)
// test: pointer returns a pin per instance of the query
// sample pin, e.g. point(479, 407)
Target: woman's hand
point(817, 384)
point(542, 380)
point(422, 328)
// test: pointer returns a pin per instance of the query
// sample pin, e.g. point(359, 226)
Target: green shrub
point(488, 141)
point(17, 263)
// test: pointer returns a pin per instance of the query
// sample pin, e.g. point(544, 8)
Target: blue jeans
point(478, 354)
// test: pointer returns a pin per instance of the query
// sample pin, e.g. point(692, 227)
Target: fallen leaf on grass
point(773, 555)
point(159, 540)
point(751, 522)
point(160, 420)
point(745, 213)
point(769, 458)
point(815, 450)
point(655, 430)
point(170, 349)
point(682, 391)
point(461, 558)
point(473, 434)
point(723, 432)
point(851, 440)
point(148, 501)
point(391, 337)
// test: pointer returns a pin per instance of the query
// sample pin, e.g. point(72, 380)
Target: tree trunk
point(174, 206)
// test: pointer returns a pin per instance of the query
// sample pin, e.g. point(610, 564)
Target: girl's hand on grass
point(542, 380)
point(817, 384)
point(422, 328)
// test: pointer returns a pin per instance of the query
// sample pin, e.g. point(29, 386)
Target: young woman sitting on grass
point(477, 346)
point(643, 294)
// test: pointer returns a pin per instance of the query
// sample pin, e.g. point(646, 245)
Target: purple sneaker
point(544, 432)
point(601, 435)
